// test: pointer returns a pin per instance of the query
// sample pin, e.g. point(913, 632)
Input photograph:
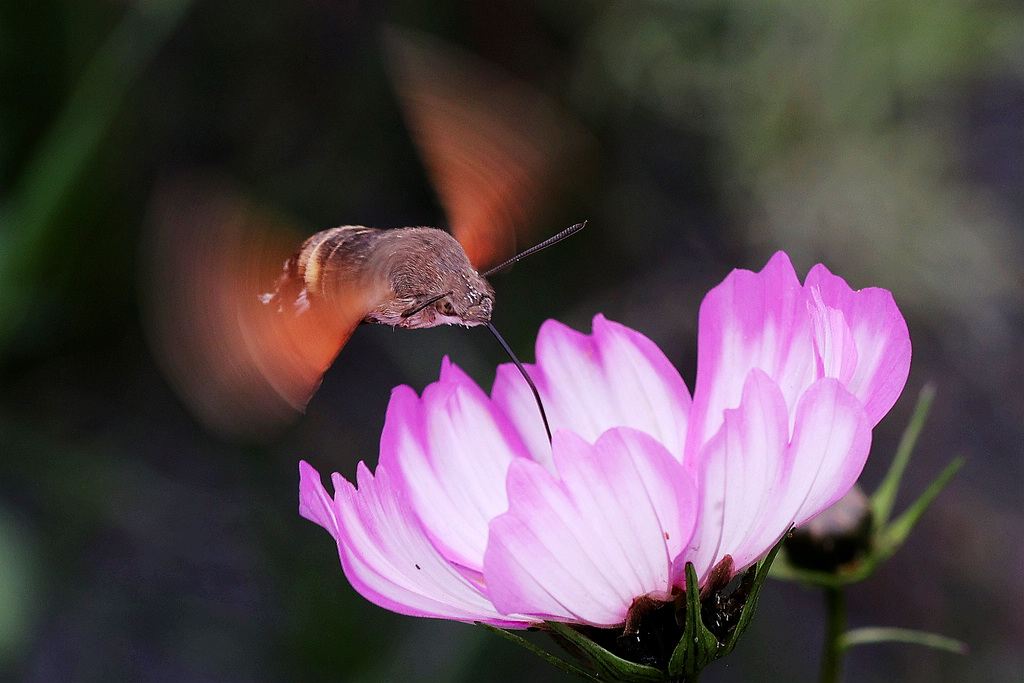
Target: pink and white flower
point(472, 515)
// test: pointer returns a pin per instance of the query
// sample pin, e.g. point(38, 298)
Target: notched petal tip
point(880, 333)
point(315, 504)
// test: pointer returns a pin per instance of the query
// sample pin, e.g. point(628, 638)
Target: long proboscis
point(526, 376)
point(568, 232)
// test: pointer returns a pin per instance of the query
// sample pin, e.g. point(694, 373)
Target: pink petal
point(828, 450)
point(591, 383)
point(797, 335)
point(833, 340)
point(756, 482)
point(314, 503)
point(880, 334)
point(385, 552)
point(739, 479)
point(581, 548)
point(451, 449)
point(751, 320)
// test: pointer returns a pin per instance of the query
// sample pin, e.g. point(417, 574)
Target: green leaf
point(866, 636)
point(607, 665)
point(763, 569)
point(887, 540)
point(698, 646)
point(885, 497)
point(894, 535)
point(887, 537)
point(540, 652)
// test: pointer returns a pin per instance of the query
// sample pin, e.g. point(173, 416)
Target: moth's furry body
point(409, 277)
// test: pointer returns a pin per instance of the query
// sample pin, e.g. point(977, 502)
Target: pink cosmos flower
point(472, 515)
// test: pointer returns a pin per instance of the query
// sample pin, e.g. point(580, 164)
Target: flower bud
point(836, 538)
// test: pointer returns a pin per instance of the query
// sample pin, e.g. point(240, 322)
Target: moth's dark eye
point(445, 307)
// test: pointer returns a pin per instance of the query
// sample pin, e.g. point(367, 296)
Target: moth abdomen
point(335, 257)
point(329, 264)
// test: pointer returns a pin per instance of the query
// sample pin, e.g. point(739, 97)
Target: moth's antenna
point(533, 387)
point(534, 249)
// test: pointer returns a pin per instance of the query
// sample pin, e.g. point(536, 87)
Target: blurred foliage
point(19, 588)
point(35, 213)
point(836, 129)
point(883, 139)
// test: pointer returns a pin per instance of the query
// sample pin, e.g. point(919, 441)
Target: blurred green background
point(883, 139)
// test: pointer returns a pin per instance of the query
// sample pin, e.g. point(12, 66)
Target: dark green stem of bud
point(835, 627)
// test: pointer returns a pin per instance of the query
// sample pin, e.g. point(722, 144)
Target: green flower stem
point(835, 629)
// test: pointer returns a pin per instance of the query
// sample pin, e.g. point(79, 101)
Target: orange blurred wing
point(491, 144)
point(244, 367)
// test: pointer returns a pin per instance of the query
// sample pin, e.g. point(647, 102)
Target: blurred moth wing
point(495, 148)
point(243, 366)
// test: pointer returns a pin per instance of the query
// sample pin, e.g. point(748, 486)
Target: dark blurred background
point(885, 140)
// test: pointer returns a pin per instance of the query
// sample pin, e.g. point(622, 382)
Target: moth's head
point(429, 281)
point(464, 299)
point(470, 303)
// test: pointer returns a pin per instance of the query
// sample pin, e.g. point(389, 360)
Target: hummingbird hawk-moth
point(246, 340)
point(414, 277)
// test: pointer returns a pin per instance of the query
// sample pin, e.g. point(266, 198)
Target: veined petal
point(582, 547)
point(833, 341)
point(452, 449)
point(756, 482)
point(740, 481)
point(385, 552)
point(881, 337)
point(797, 334)
point(828, 450)
point(751, 320)
point(591, 383)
